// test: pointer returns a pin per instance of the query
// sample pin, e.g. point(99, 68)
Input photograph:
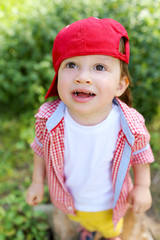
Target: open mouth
point(83, 94)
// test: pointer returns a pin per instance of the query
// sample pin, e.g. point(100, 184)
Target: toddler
point(89, 137)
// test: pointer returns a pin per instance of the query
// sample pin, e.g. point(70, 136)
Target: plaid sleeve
point(142, 152)
point(37, 144)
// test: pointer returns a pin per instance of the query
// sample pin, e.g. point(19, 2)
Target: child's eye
point(71, 65)
point(99, 67)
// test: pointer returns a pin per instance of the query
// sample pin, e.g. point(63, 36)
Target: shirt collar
point(124, 123)
point(58, 115)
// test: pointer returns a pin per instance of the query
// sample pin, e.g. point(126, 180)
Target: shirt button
point(70, 208)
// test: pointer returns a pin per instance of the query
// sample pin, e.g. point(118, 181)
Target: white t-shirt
point(88, 161)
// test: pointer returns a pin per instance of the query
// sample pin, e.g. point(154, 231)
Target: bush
point(29, 30)
point(19, 221)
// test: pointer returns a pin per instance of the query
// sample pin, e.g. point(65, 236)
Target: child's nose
point(83, 77)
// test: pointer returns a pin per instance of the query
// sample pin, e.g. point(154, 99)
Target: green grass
point(18, 221)
point(154, 129)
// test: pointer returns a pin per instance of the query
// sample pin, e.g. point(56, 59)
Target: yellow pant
point(99, 222)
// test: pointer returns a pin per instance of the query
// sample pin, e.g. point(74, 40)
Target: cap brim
point(52, 91)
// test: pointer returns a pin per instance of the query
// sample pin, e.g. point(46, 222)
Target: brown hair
point(126, 96)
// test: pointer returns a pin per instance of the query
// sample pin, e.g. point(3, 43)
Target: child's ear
point(123, 84)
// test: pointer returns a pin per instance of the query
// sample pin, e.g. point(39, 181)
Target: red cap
point(90, 36)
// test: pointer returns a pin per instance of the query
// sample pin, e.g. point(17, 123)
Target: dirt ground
point(154, 212)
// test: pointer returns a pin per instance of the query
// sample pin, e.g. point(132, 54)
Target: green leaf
point(19, 220)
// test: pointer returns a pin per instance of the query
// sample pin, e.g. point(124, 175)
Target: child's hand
point(140, 198)
point(35, 194)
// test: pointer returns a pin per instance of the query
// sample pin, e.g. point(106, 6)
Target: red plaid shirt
point(132, 148)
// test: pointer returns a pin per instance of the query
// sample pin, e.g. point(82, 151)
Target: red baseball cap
point(90, 36)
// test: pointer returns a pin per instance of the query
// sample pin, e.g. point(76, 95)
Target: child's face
point(88, 84)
